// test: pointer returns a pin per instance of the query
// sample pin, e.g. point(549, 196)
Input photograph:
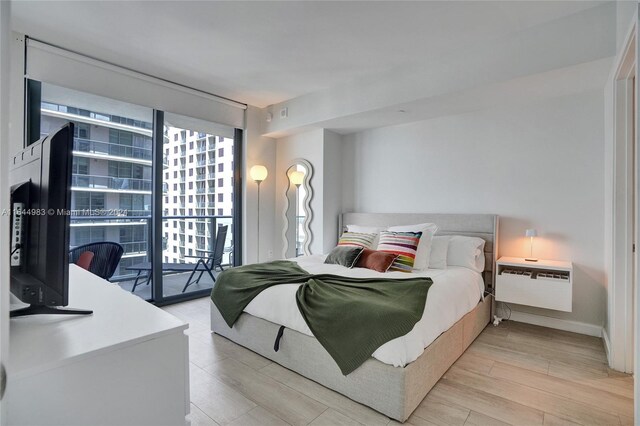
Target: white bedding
point(454, 293)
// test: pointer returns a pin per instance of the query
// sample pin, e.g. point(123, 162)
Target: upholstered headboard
point(484, 226)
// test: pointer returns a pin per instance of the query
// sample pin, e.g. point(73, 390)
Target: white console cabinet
point(545, 284)
point(127, 364)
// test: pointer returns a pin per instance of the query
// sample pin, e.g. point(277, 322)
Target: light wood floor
point(512, 374)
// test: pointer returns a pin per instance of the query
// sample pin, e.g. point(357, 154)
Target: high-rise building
point(199, 186)
point(112, 184)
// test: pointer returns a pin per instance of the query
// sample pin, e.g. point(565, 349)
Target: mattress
point(454, 293)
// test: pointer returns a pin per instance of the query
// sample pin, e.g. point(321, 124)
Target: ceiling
point(262, 53)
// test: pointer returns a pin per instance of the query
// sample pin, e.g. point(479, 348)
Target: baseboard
point(607, 345)
point(557, 323)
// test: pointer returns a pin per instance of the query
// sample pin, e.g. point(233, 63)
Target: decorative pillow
point(345, 256)
point(376, 260)
point(424, 248)
point(357, 239)
point(439, 248)
point(467, 252)
point(404, 244)
point(368, 230)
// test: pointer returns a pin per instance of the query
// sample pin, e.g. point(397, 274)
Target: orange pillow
point(376, 260)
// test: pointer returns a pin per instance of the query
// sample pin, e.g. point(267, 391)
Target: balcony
point(135, 247)
point(97, 213)
point(201, 149)
point(211, 161)
point(110, 183)
point(113, 149)
point(211, 176)
point(201, 190)
point(201, 176)
point(201, 163)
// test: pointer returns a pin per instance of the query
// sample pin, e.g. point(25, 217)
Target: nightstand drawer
point(548, 293)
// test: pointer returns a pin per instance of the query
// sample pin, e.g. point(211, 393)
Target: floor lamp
point(258, 174)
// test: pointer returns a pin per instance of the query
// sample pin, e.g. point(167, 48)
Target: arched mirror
point(297, 213)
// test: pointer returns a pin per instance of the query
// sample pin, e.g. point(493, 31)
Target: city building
point(112, 184)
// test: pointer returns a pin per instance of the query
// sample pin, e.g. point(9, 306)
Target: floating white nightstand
point(545, 284)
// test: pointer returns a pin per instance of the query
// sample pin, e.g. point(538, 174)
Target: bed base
point(395, 392)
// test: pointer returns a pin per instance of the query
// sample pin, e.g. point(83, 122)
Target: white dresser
point(127, 364)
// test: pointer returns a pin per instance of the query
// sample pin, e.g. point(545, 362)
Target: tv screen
point(40, 179)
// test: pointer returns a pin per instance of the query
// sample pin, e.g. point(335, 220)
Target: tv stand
point(127, 364)
point(47, 310)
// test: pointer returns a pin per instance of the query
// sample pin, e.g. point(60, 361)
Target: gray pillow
point(345, 256)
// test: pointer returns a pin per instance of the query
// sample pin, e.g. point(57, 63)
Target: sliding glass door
point(198, 204)
point(121, 165)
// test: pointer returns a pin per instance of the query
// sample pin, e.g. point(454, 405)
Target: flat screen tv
point(40, 178)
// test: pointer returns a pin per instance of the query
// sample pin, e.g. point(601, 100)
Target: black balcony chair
point(207, 263)
point(106, 256)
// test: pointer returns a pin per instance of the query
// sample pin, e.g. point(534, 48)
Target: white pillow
point(467, 252)
point(368, 230)
point(424, 246)
point(439, 248)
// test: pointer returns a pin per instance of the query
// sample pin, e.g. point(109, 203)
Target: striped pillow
point(404, 244)
point(357, 239)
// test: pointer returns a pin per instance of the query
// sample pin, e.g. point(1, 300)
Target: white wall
point(625, 11)
point(537, 166)
point(258, 150)
point(333, 183)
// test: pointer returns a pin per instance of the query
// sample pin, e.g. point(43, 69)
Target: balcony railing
point(201, 176)
point(135, 247)
point(121, 212)
point(201, 190)
point(201, 163)
point(108, 182)
point(114, 149)
point(142, 248)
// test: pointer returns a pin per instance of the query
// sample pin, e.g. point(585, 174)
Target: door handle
point(3, 380)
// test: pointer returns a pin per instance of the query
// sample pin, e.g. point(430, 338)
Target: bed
point(400, 374)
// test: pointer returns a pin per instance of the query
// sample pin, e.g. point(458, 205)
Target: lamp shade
point(258, 173)
point(531, 233)
point(296, 177)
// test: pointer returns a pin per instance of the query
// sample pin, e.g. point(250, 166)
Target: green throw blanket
point(350, 317)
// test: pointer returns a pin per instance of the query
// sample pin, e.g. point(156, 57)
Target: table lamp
point(531, 233)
